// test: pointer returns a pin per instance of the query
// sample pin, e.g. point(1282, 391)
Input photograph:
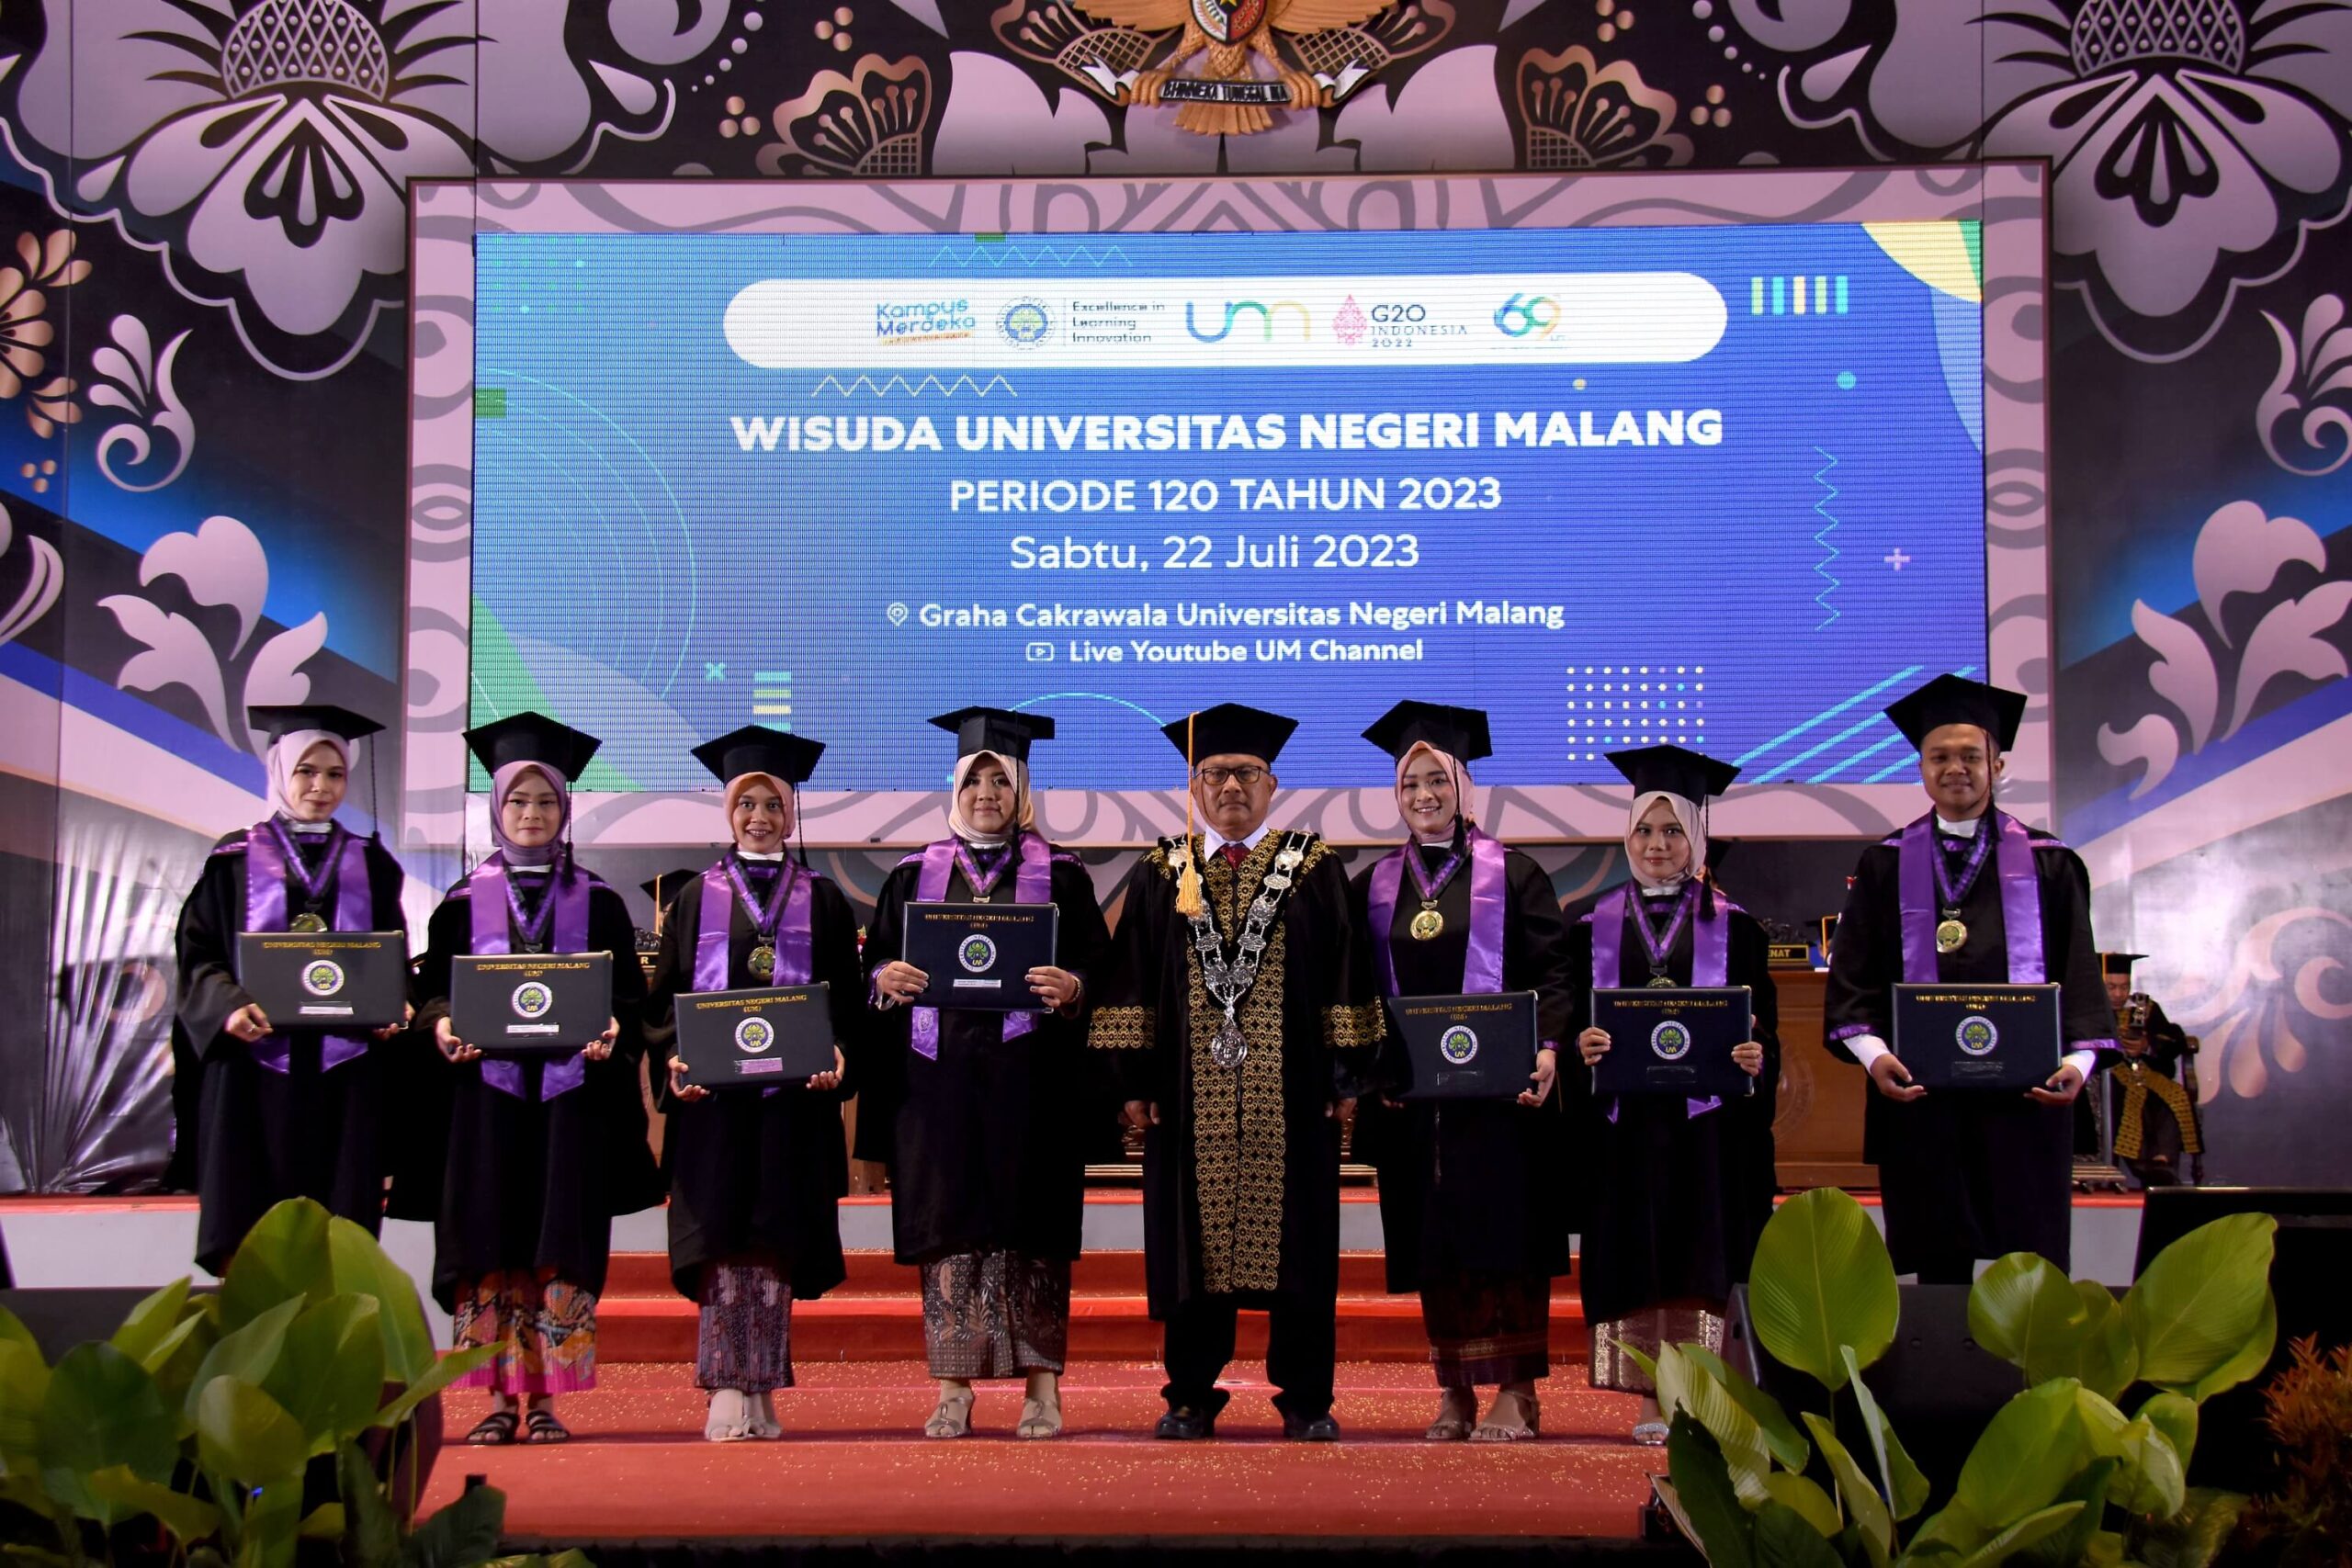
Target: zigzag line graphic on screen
point(999, 256)
point(1821, 566)
point(917, 389)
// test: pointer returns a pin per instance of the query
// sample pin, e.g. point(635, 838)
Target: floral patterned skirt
point(744, 1338)
point(544, 1328)
point(995, 1314)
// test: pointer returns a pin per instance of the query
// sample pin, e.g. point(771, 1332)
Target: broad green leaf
point(1702, 1485)
point(2175, 1416)
point(24, 1385)
point(2107, 1358)
point(188, 1519)
point(2030, 1450)
point(1904, 1487)
point(371, 1531)
point(2194, 1536)
point(244, 1434)
point(2025, 1312)
point(1863, 1505)
point(2201, 1305)
point(1952, 1533)
point(332, 1372)
point(283, 1258)
point(2017, 1537)
point(273, 1526)
point(1781, 1435)
point(101, 1409)
point(362, 1266)
point(444, 1371)
point(2066, 1549)
point(463, 1533)
point(250, 1352)
point(1684, 1384)
point(1786, 1538)
point(2105, 1550)
point(1805, 1497)
point(14, 1332)
point(156, 1315)
point(2251, 1357)
point(2153, 1480)
point(2104, 1427)
point(324, 1523)
point(1821, 1279)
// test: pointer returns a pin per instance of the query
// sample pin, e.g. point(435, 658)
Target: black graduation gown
point(264, 1137)
point(986, 1143)
point(1968, 1176)
point(753, 1174)
point(531, 1183)
point(1209, 1164)
point(1470, 1185)
point(1676, 1201)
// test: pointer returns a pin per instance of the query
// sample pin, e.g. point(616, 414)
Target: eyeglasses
point(1217, 778)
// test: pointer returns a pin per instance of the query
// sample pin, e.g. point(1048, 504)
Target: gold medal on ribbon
point(307, 922)
point(1427, 924)
point(1951, 935)
point(1661, 982)
point(763, 961)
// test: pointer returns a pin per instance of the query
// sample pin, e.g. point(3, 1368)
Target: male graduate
point(1967, 893)
point(1240, 1028)
point(2152, 1103)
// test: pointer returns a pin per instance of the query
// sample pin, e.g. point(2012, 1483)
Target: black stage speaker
point(61, 1319)
point(2311, 1277)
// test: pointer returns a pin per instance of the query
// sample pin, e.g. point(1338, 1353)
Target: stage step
point(877, 1315)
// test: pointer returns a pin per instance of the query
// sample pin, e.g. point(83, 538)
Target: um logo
point(1236, 308)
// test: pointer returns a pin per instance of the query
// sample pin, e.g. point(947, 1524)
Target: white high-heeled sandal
point(730, 1420)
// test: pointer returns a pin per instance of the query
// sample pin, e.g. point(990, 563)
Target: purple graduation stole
point(795, 940)
point(492, 895)
point(271, 860)
point(1033, 882)
point(1482, 966)
point(1710, 956)
point(1915, 874)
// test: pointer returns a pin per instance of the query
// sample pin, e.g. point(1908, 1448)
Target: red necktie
point(1234, 854)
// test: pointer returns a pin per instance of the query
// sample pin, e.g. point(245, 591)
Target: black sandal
point(494, 1430)
point(545, 1428)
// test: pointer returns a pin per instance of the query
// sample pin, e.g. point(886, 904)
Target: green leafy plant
point(202, 1416)
point(2061, 1476)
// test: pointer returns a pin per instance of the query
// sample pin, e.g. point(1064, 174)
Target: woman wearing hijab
point(284, 1112)
point(982, 1115)
point(538, 1157)
point(1474, 1194)
point(754, 1173)
point(1678, 1198)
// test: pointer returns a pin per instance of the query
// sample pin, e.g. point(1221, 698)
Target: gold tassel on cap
point(1188, 874)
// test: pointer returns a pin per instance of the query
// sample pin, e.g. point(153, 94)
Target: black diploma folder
point(530, 1003)
point(979, 955)
point(1971, 1036)
point(1473, 1047)
point(756, 1039)
point(1673, 1039)
point(335, 981)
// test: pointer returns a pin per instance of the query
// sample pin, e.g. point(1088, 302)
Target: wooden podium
point(1818, 1129)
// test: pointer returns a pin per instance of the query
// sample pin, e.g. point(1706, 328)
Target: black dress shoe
point(1323, 1428)
point(1183, 1424)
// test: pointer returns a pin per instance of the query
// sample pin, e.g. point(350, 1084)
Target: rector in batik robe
point(1967, 893)
point(1236, 1013)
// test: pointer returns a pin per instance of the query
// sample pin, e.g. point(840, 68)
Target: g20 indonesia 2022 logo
point(754, 1035)
point(323, 976)
point(1671, 1041)
point(1977, 1034)
point(532, 998)
point(977, 955)
point(1527, 315)
point(1458, 1044)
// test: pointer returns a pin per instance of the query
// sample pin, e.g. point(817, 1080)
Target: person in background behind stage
point(980, 1115)
point(286, 1113)
point(2152, 1101)
point(1967, 893)
point(1677, 1195)
point(1239, 1026)
point(755, 1174)
point(541, 1152)
point(1475, 1194)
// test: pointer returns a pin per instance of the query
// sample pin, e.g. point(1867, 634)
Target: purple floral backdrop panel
point(2006, 200)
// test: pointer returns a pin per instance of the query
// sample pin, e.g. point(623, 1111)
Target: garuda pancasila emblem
point(1225, 98)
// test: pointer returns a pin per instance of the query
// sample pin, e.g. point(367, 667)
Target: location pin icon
point(898, 613)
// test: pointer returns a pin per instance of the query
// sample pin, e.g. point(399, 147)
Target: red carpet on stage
point(853, 1462)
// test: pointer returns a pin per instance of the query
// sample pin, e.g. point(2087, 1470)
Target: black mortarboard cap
point(1230, 729)
point(664, 887)
point(533, 738)
point(1954, 699)
point(1677, 770)
point(1460, 733)
point(1000, 730)
point(756, 749)
point(2117, 963)
point(277, 719)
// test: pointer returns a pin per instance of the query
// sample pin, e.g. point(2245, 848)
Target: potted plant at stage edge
point(190, 1434)
point(2061, 1474)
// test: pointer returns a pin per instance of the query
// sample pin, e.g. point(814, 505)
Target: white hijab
point(1024, 810)
point(1694, 828)
point(287, 751)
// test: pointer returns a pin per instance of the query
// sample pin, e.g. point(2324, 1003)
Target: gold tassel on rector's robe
point(1188, 876)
